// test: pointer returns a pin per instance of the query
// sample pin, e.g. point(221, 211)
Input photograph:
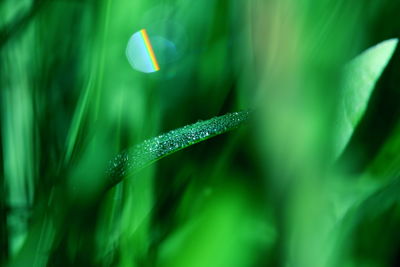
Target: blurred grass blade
point(370, 205)
point(18, 24)
point(360, 77)
point(161, 146)
point(77, 120)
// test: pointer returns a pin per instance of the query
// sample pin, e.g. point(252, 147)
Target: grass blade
point(161, 146)
point(360, 77)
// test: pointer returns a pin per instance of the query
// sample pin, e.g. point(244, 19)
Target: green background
point(267, 194)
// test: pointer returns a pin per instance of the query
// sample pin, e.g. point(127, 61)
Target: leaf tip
point(389, 46)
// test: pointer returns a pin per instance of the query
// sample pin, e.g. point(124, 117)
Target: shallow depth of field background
point(266, 194)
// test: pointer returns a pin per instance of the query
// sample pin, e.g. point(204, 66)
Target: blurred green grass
point(265, 195)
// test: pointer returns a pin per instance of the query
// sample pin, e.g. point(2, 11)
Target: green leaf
point(153, 149)
point(360, 77)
